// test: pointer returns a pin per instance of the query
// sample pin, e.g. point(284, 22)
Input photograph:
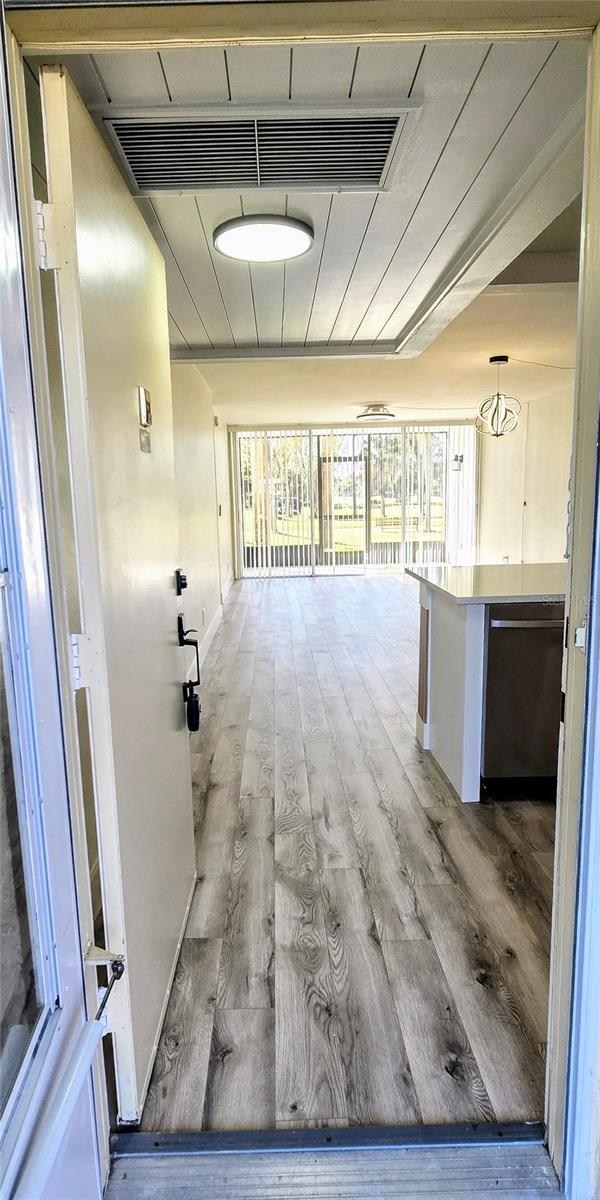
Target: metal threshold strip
point(358, 1137)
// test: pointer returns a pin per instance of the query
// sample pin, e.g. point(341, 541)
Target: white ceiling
point(492, 117)
point(447, 380)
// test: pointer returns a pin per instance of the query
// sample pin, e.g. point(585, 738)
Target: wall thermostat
point(145, 407)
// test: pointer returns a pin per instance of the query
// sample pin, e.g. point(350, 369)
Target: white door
point(42, 1001)
point(112, 330)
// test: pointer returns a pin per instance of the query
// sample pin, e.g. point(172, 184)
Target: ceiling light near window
point(498, 414)
point(375, 412)
point(263, 238)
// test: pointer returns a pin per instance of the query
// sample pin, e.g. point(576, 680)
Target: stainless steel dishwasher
point(522, 702)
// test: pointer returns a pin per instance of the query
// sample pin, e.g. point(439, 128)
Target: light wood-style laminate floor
point(361, 949)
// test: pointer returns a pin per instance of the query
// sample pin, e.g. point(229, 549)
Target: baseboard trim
point(163, 1013)
point(206, 642)
point(357, 1137)
point(210, 633)
point(227, 587)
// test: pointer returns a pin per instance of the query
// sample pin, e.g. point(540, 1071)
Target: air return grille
point(316, 152)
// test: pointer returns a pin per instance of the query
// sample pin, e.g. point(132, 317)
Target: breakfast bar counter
point(489, 671)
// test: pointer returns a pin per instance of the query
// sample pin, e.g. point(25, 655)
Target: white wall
point(523, 484)
point(196, 481)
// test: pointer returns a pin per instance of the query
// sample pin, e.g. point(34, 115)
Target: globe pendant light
point(498, 414)
point(375, 412)
point(263, 238)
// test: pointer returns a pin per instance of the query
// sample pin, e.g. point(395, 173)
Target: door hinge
point(580, 636)
point(84, 661)
point(97, 956)
point(44, 222)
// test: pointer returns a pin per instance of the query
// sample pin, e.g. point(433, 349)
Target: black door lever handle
point(182, 634)
point(184, 640)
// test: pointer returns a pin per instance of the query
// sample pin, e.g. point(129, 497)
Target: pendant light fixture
point(375, 412)
point(263, 238)
point(498, 414)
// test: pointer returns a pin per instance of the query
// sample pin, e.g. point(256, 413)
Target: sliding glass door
point(342, 501)
point(327, 501)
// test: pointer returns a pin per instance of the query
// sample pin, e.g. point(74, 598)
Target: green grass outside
point(349, 531)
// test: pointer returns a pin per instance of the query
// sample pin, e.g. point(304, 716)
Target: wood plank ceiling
point(488, 111)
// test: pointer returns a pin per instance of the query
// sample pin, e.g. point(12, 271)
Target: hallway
point(361, 948)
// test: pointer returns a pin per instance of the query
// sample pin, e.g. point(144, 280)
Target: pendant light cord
point(528, 362)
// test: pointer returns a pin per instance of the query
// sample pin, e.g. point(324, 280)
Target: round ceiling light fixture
point(498, 414)
point(375, 412)
point(263, 238)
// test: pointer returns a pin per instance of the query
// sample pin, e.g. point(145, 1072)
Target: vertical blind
point(321, 501)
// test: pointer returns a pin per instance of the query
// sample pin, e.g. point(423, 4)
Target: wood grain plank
point(347, 745)
point(446, 1076)
point(545, 859)
point(387, 871)
point(310, 1075)
point(336, 846)
point(414, 830)
point(240, 1086)
point(228, 759)
point(372, 679)
point(521, 879)
point(379, 1085)
point(532, 824)
point(431, 788)
point(370, 728)
point(326, 672)
point(246, 974)
point(176, 1093)
point(259, 752)
point(214, 852)
point(509, 1062)
point(312, 713)
point(292, 794)
point(525, 960)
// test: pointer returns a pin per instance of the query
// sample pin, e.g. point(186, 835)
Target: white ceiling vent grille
point(324, 153)
point(312, 152)
point(188, 155)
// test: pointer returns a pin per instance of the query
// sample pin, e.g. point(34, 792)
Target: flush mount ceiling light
point(375, 412)
point(498, 414)
point(263, 238)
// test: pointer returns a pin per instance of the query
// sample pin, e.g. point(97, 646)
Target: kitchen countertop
point(501, 583)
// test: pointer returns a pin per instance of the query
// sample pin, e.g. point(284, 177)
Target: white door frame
point(574, 1083)
point(84, 30)
point(582, 1120)
point(47, 829)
